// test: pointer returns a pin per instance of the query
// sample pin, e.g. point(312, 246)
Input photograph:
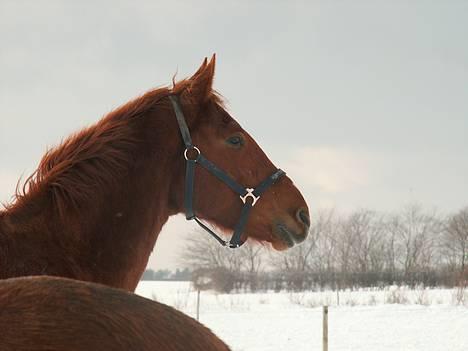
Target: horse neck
point(127, 222)
point(109, 238)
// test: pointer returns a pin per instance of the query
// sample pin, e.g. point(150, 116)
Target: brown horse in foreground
point(57, 314)
point(96, 204)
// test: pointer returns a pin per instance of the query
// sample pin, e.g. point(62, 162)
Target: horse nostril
point(303, 216)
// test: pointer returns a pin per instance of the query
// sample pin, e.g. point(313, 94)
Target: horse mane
point(93, 158)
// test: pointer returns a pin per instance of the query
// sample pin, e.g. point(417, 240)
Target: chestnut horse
point(55, 314)
point(94, 207)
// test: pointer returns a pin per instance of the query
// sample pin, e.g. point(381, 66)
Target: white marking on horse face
point(119, 214)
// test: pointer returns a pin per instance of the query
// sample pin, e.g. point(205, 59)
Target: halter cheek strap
point(249, 196)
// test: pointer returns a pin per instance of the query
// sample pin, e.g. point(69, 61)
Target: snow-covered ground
point(378, 320)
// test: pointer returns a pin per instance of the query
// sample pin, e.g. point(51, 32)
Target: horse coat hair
point(49, 313)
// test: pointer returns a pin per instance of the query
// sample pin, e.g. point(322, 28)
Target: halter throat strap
point(249, 196)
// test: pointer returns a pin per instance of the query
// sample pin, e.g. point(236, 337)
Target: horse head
point(280, 216)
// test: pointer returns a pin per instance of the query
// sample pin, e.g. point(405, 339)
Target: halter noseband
point(249, 196)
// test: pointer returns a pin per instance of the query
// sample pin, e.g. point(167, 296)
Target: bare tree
point(415, 232)
point(201, 251)
point(324, 258)
point(390, 251)
point(252, 258)
point(364, 230)
point(206, 257)
point(455, 238)
point(343, 241)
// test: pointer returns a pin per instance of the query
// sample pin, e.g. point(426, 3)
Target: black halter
point(244, 193)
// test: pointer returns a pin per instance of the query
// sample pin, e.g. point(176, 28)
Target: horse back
point(46, 313)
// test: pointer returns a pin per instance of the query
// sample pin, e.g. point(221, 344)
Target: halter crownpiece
point(249, 196)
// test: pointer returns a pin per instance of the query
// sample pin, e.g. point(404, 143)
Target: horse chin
point(279, 245)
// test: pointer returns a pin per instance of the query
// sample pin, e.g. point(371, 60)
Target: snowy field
point(371, 320)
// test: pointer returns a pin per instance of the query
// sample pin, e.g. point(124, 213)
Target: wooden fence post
point(198, 305)
point(325, 328)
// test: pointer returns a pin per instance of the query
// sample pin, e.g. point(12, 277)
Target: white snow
point(424, 320)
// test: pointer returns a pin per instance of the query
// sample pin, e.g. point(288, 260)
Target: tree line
point(364, 248)
point(166, 274)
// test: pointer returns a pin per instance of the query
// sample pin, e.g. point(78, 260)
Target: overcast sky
point(363, 103)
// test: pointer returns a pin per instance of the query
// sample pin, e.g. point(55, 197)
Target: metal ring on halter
point(192, 148)
point(251, 195)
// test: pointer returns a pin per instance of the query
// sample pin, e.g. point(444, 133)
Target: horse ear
point(202, 81)
point(201, 69)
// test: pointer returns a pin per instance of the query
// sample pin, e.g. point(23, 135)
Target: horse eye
point(236, 141)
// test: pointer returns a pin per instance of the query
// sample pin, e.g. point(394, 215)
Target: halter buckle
point(251, 195)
